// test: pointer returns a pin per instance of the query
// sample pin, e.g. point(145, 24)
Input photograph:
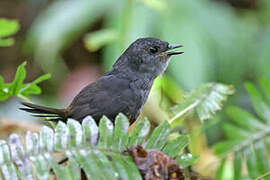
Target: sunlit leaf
point(17, 86)
point(7, 28)
point(205, 100)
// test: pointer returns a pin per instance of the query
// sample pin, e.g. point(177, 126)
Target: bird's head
point(149, 55)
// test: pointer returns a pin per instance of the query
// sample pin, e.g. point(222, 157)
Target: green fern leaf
point(99, 151)
point(248, 135)
point(205, 100)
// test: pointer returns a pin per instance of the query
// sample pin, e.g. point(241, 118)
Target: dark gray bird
point(123, 89)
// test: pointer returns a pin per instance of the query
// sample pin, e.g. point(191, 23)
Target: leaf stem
point(185, 110)
point(263, 175)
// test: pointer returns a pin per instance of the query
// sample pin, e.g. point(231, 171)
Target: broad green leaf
point(120, 135)
point(237, 166)
point(7, 28)
point(206, 100)
point(159, 136)
point(187, 160)
point(260, 106)
point(106, 133)
point(175, 146)
point(139, 132)
point(245, 119)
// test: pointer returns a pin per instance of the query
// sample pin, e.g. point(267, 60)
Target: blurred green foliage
point(17, 86)
point(7, 28)
point(220, 44)
point(248, 135)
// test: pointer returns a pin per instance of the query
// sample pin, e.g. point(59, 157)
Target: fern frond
point(248, 136)
point(99, 151)
point(205, 100)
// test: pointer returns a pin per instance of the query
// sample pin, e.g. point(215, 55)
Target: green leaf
point(90, 131)
point(104, 163)
point(106, 133)
point(139, 132)
point(76, 134)
point(260, 106)
point(187, 160)
point(261, 157)
point(95, 40)
point(61, 139)
point(73, 171)
point(17, 88)
point(206, 100)
point(120, 163)
point(237, 166)
point(222, 148)
point(250, 137)
point(121, 132)
point(79, 143)
point(159, 136)
point(251, 163)
point(265, 84)
point(18, 154)
point(8, 168)
point(235, 132)
point(17, 83)
point(220, 170)
point(175, 146)
point(7, 28)
point(32, 88)
point(244, 119)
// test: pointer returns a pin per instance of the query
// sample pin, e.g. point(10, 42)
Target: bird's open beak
point(174, 46)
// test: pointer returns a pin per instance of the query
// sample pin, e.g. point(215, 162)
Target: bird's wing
point(107, 96)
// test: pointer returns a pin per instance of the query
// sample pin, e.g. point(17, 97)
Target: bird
point(123, 89)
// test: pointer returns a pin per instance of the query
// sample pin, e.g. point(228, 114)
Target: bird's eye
point(153, 49)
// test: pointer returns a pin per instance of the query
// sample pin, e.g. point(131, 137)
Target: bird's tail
point(41, 111)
